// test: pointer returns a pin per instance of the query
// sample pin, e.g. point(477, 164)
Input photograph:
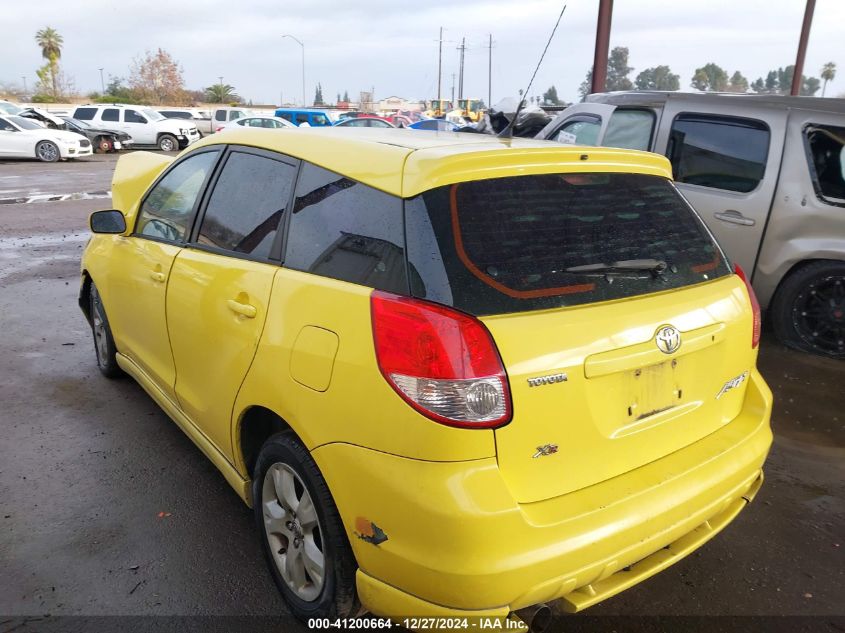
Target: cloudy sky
point(391, 45)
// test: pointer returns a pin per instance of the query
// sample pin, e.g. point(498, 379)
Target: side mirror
point(110, 221)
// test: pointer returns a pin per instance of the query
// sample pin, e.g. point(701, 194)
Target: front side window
point(168, 209)
point(320, 119)
point(111, 114)
point(718, 151)
point(247, 205)
point(85, 114)
point(826, 156)
point(629, 129)
point(546, 241)
point(131, 116)
point(581, 130)
point(346, 230)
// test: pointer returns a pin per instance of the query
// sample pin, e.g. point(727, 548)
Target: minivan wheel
point(808, 310)
point(103, 340)
point(47, 151)
point(168, 143)
point(302, 536)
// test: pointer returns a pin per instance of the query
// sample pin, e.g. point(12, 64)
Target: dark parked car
point(102, 140)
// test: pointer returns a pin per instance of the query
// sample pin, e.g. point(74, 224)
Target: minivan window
point(111, 114)
point(629, 129)
point(85, 114)
point(721, 152)
point(583, 129)
point(346, 230)
point(516, 244)
point(826, 153)
point(247, 205)
point(167, 210)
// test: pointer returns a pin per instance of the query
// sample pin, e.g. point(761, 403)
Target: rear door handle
point(244, 309)
point(734, 217)
point(157, 276)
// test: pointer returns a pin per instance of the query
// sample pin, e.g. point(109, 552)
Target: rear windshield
point(510, 244)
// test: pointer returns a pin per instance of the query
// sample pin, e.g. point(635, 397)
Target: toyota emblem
point(668, 339)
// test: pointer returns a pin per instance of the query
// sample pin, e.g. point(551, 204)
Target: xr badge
point(545, 449)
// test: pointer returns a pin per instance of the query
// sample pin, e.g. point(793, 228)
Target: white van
point(142, 123)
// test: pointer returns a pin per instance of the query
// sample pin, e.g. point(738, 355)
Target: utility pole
point(602, 46)
point(461, 48)
point(220, 80)
point(25, 91)
point(490, 70)
point(439, 62)
point(302, 45)
point(102, 83)
point(798, 75)
point(453, 90)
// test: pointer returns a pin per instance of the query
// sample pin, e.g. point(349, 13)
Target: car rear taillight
point(441, 361)
point(755, 306)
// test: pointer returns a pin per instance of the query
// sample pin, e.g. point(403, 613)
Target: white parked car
point(143, 124)
point(24, 138)
point(267, 122)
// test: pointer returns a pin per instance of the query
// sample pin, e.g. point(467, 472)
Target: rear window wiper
point(654, 266)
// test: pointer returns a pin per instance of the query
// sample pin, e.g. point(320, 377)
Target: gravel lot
point(88, 466)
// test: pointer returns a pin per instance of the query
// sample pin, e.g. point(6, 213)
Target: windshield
point(152, 115)
point(533, 242)
point(9, 108)
point(75, 122)
point(24, 124)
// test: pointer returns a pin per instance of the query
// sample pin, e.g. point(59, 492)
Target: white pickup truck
point(207, 121)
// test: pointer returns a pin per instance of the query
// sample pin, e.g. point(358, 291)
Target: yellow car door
point(142, 262)
point(220, 286)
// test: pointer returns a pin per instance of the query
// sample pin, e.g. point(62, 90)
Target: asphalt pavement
point(108, 509)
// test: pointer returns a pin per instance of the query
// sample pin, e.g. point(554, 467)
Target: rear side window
point(580, 130)
point(246, 208)
point(510, 244)
point(285, 115)
point(719, 151)
point(167, 211)
point(629, 129)
point(220, 115)
point(346, 230)
point(826, 156)
point(84, 114)
point(301, 118)
point(111, 114)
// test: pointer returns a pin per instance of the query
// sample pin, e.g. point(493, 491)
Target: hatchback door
point(616, 316)
point(727, 167)
point(220, 286)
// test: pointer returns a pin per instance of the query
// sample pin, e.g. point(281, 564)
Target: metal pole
point(490, 71)
point(602, 46)
point(453, 90)
point(461, 48)
point(439, 62)
point(25, 91)
point(102, 83)
point(798, 75)
point(304, 102)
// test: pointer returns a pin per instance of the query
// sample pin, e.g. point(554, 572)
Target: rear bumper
point(458, 544)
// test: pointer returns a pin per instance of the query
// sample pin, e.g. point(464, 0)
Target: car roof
point(657, 98)
point(406, 163)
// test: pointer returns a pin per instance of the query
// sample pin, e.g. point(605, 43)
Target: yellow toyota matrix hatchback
point(454, 375)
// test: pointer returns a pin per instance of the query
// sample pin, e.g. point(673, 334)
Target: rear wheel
point(103, 145)
point(168, 143)
point(47, 151)
point(808, 311)
point(302, 535)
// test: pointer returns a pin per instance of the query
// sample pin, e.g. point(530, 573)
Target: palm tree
point(221, 93)
point(51, 49)
point(828, 73)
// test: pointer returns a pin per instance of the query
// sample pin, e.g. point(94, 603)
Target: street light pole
point(298, 41)
point(102, 82)
point(25, 91)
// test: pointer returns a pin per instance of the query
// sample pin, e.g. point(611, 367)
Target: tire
point(47, 151)
point(285, 465)
point(103, 145)
point(168, 143)
point(808, 310)
point(104, 346)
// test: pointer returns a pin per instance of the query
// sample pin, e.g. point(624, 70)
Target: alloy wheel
point(47, 151)
point(818, 315)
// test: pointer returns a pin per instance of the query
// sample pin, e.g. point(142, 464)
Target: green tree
point(809, 86)
point(828, 73)
point(758, 86)
point(658, 78)
point(617, 73)
point(710, 77)
point(221, 93)
point(738, 83)
point(346, 96)
point(318, 95)
point(772, 84)
point(51, 49)
point(550, 96)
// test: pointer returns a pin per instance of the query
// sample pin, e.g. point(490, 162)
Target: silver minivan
point(767, 175)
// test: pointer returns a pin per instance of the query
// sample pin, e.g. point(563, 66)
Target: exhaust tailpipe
point(536, 618)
